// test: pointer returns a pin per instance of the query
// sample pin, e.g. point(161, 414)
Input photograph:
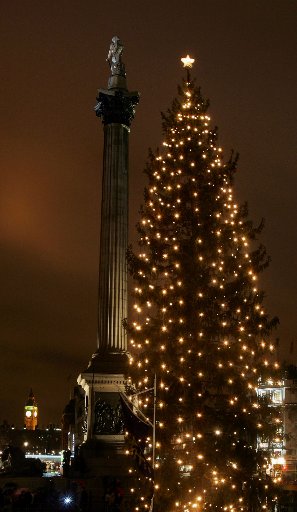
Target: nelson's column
point(104, 378)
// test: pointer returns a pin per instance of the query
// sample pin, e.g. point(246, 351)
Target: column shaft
point(112, 298)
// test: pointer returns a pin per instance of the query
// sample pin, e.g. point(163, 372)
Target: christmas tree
point(199, 323)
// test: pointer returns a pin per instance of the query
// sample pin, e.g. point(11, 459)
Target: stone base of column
point(108, 362)
point(104, 458)
point(103, 405)
point(103, 450)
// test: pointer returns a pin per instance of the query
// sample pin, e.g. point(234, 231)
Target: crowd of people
point(44, 499)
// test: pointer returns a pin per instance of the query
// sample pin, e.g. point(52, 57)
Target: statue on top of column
point(114, 57)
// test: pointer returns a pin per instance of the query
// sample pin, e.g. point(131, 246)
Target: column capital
point(116, 106)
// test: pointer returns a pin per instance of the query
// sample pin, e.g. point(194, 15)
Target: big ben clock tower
point(31, 412)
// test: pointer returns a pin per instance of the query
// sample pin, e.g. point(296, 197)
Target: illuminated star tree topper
point(187, 61)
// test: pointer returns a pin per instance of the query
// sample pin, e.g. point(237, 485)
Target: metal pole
point(154, 437)
point(154, 421)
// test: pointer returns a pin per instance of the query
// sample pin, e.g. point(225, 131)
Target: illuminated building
point(283, 449)
point(43, 444)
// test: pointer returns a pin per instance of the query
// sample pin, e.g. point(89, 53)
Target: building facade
point(283, 450)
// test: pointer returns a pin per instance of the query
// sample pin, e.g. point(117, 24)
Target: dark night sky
point(52, 56)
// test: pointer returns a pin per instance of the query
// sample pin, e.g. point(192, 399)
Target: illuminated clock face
point(28, 414)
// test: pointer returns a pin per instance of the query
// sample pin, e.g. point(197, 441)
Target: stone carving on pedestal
point(108, 419)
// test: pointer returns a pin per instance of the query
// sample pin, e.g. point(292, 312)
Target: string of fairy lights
point(199, 323)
